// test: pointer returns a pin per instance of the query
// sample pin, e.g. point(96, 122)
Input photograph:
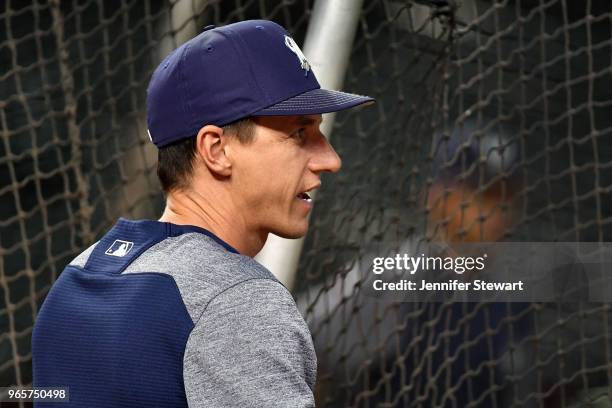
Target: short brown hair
point(175, 161)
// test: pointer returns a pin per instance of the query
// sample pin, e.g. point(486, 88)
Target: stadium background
point(492, 123)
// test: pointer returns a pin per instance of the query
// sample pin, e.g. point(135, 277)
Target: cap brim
point(315, 102)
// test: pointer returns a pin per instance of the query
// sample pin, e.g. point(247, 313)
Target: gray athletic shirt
point(250, 346)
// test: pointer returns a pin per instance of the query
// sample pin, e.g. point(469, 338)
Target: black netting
point(491, 124)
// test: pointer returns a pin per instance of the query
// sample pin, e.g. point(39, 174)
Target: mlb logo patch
point(119, 248)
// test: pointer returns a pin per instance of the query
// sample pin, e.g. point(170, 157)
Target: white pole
point(327, 47)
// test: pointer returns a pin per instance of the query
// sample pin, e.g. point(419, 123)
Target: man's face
point(273, 173)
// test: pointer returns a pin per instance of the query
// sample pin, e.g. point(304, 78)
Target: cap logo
point(296, 50)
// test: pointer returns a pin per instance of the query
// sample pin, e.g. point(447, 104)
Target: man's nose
point(325, 158)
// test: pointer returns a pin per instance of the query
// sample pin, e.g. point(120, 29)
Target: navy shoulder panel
point(114, 340)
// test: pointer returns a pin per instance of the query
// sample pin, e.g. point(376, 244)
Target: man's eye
point(299, 134)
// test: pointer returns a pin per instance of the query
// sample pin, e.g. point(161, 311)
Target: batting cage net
point(492, 123)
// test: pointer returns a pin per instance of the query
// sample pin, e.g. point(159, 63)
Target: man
point(176, 312)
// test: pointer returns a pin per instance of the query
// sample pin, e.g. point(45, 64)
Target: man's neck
point(191, 208)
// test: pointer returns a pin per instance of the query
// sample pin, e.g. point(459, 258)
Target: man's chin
point(292, 233)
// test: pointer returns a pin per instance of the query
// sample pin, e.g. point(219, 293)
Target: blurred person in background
point(438, 347)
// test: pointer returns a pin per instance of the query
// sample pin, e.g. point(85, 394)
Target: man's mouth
point(304, 197)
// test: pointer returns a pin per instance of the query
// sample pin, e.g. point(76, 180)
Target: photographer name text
point(450, 285)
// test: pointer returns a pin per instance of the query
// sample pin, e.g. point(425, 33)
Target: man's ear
point(210, 147)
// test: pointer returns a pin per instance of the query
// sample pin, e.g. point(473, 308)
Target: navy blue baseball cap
point(250, 68)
